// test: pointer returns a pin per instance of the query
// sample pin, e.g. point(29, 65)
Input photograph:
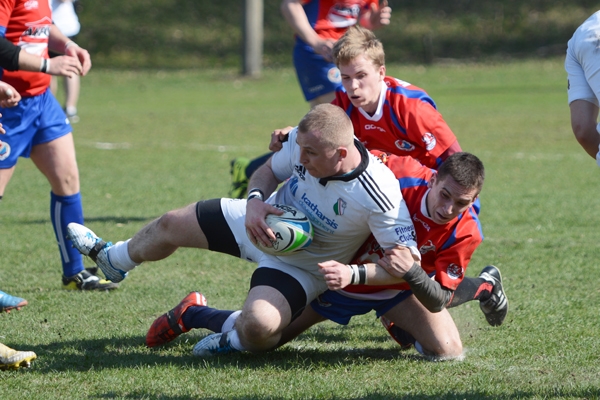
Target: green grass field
point(154, 141)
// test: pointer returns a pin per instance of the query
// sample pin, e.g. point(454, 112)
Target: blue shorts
point(35, 120)
point(339, 308)
point(316, 76)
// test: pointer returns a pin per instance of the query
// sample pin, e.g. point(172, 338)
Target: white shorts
point(582, 62)
point(234, 212)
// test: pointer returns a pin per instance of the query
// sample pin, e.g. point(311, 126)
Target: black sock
point(205, 317)
point(471, 289)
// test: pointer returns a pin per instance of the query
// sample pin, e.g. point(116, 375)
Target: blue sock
point(205, 317)
point(64, 210)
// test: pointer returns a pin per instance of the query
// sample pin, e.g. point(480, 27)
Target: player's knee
point(257, 331)
point(168, 222)
point(448, 347)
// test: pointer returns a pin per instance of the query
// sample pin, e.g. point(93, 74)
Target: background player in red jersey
point(317, 25)
point(37, 127)
point(387, 113)
point(448, 232)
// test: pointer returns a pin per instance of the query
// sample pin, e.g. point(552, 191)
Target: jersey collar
point(379, 112)
point(364, 162)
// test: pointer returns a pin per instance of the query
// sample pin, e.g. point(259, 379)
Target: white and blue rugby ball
point(293, 231)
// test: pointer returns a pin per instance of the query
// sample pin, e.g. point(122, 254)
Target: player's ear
point(343, 152)
point(432, 180)
point(382, 71)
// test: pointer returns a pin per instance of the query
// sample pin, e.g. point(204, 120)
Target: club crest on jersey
point(4, 150)
point(429, 140)
point(404, 145)
point(339, 207)
point(454, 271)
point(427, 247)
point(334, 75)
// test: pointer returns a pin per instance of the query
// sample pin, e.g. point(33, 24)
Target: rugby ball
point(293, 231)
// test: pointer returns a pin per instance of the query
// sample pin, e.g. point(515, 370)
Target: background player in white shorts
point(583, 72)
point(323, 166)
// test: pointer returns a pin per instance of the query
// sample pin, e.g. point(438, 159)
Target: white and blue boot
point(89, 244)
point(214, 345)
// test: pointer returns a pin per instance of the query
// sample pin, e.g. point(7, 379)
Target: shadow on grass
point(377, 394)
point(118, 353)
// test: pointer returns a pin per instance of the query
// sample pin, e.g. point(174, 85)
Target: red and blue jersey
point(406, 123)
point(26, 23)
point(331, 18)
point(445, 249)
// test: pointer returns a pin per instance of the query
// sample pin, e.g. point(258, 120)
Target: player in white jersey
point(341, 209)
point(583, 66)
point(347, 194)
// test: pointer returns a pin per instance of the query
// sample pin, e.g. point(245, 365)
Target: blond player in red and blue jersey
point(404, 120)
point(37, 127)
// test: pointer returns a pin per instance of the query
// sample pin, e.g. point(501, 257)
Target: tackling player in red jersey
point(446, 242)
point(448, 232)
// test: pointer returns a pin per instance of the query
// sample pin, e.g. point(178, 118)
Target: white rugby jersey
point(343, 210)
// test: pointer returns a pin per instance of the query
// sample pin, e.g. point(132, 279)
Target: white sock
point(230, 321)
point(234, 341)
point(119, 256)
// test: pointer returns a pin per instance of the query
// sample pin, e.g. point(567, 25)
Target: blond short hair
point(358, 41)
point(333, 124)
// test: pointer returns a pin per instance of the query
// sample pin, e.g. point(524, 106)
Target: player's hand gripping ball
point(293, 231)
